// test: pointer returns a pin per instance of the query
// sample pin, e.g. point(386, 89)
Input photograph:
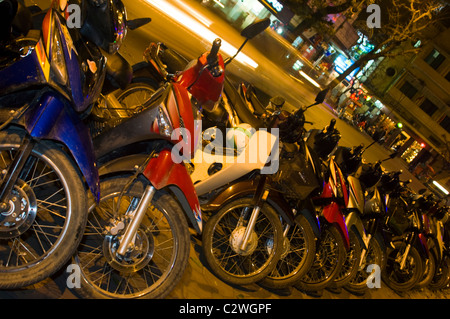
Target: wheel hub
point(236, 239)
point(136, 257)
point(21, 213)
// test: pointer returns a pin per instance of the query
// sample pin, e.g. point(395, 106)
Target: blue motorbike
point(50, 76)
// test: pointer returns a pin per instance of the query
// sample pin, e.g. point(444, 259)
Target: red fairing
point(333, 215)
point(207, 89)
point(162, 171)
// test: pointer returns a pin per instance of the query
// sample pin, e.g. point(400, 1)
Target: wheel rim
point(242, 263)
point(132, 100)
point(397, 275)
point(294, 254)
point(144, 268)
point(42, 206)
point(325, 262)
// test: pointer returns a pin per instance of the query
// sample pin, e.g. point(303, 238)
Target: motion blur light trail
point(199, 28)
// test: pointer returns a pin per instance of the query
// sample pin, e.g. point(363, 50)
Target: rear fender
point(52, 119)
point(163, 172)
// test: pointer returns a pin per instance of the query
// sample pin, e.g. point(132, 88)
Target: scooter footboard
point(163, 172)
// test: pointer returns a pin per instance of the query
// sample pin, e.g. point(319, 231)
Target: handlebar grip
point(212, 56)
point(332, 124)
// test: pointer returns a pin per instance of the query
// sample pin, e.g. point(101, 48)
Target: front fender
point(163, 172)
point(353, 221)
point(51, 118)
point(333, 215)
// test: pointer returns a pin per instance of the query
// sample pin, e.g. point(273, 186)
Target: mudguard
point(334, 216)
point(353, 221)
point(53, 119)
point(248, 188)
point(163, 172)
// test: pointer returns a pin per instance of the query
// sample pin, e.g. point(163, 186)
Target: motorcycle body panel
point(356, 195)
point(163, 172)
point(66, 87)
point(353, 221)
point(251, 158)
point(333, 215)
point(52, 119)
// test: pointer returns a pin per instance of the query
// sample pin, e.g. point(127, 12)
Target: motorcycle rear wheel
point(221, 233)
point(158, 258)
point(442, 277)
point(47, 215)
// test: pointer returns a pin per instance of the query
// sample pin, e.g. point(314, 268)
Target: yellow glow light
point(309, 79)
point(200, 30)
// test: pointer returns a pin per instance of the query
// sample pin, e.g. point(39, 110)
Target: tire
point(221, 239)
point(299, 249)
point(374, 255)
point(429, 270)
point(52, 213)
point(330, 256)
point(442, 277)
point(406, 279)
point(160, 254)
point(351, 263)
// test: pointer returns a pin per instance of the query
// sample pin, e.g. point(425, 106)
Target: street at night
point(269, 62)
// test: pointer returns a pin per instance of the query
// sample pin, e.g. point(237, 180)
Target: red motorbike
point(136, 243)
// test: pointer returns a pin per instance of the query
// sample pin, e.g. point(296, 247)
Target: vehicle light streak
point(199, 29)
point(309, 79)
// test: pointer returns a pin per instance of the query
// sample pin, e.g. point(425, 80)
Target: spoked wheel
point(351, 263)
point(330, 256)
point(134, 95)
point(299, 249)
point(402, 278)
point(373, 256)
point(223, 235)
point(442, 275)
point(42, 223)
point(159, 253)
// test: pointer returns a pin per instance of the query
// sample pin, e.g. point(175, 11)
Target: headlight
point(164, 126)
point(58, 62)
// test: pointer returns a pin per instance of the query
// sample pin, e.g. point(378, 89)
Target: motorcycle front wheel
point(223, 235)
point(402, 279)
point(329, 259)
point(158, 256)
point(43, 224)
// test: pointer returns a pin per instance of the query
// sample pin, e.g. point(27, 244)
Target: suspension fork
point(410, 240)
point(14, 169)
point(260, 197)
point(133, 227)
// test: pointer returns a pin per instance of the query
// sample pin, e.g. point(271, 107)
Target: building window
point(428, 107)
point(445, 123)
point(408, 89)
point(435, 59)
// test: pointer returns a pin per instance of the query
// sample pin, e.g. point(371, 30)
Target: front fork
point(259, 199)
point(138, 216)
point(12, 173)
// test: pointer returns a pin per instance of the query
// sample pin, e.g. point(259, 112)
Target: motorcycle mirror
point(321, 96)
point(250, 32)
point(255, 28)
point(137, 23)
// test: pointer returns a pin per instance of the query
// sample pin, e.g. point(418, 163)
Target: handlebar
point(212, 56)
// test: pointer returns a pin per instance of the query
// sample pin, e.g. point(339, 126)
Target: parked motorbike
point(439, 220)
point(144, 237)
point(406, 247)
point(49, 79)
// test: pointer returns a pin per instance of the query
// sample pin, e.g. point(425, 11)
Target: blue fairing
point(52, 119)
